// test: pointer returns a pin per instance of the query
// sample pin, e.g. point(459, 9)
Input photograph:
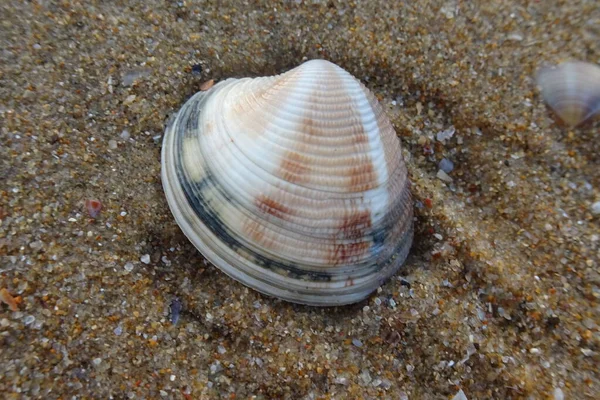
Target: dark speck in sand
point(175, 310)
point(404, 282)
point(196, 69)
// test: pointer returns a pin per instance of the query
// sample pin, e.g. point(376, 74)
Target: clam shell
point(293, 184)
point(572, 90)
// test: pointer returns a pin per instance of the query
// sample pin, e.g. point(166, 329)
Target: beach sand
point(499, 298)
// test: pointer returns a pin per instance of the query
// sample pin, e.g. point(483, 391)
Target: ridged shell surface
point(572, 90)
point(293, 185)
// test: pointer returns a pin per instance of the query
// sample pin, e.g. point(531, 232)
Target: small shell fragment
point(8, 299)
point(207, 85)
point(572, 90)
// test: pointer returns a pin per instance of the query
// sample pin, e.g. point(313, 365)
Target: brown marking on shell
point(251, 228)
point(307, 126)
point(242, 106)
point(362, 176)
point(209, 128)
point(360, 137)
point(255, 231)
point(355, 225)
point(271, 207)
point(347, 253)
point(292, 168)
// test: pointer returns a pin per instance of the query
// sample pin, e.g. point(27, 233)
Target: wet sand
point(499, 297)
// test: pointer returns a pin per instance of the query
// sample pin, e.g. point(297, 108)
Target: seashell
point(293, 184)
point(572, 90)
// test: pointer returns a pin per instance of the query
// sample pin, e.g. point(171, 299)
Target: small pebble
point(502, 312)
point(145, 258)
point(36, 245)
point(558, 394)
point(93, 207)
point(129, 99)
point(460, 396)
point(596, 208)
point(175, 310)
point(364, 377)
point(517, 37)
point(341, 380)
point(586, 352)
point(357, 342)
point(128, 267)
point(130, 77)
point(118, 330)
point(441, 175)
point(445, 134)
point(30, 319)
point(386, 384)
point(216, 367)
point(125, 134)
point(446, 165)
point(112, 144)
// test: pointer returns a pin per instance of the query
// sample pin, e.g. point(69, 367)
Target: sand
point(499, 297)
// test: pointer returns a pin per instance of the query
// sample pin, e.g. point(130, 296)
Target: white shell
point(293, 185)
point(572, 90)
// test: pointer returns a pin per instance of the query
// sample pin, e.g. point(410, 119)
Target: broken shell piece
point(572, 90)
point(8, 299)
point(207, 85)
point(292, 184)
